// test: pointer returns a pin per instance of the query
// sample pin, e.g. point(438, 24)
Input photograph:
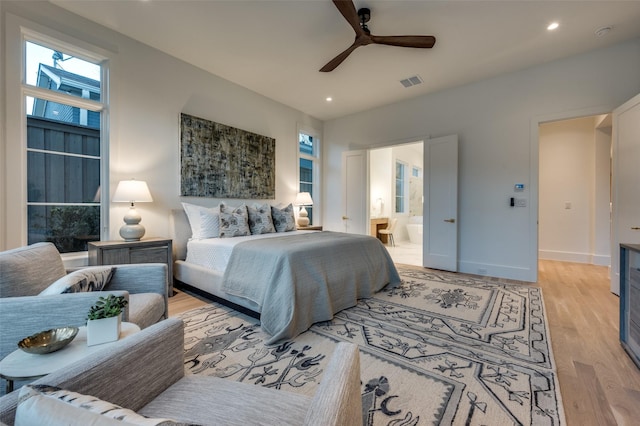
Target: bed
point(289, 280)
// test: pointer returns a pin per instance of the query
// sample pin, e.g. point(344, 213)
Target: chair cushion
point(145, 309)
point(82, 280)
point(50, 405)
point(26, 271)
point(237, 403)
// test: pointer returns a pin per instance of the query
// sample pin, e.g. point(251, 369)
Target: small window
point(401, 187)
point(309, 169)
point(64, 148)
point(416, 172)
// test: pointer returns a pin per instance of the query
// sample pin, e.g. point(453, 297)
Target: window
point(64, 97)
point(401, 187)
point(309, 169)
point(416, 172)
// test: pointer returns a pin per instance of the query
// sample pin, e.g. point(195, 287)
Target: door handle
point(636, 228)
point(344, 218)
point(450, 220)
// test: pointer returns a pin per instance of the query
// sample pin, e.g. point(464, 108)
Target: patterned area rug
point(441, 349)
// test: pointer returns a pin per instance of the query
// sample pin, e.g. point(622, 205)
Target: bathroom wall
point(382, 183)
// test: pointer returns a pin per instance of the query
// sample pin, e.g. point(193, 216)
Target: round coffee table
point(20, 365)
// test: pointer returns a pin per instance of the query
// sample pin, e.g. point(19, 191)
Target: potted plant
point(104, 319)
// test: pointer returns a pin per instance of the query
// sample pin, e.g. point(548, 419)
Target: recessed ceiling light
point(329, 99)
point(552, 26)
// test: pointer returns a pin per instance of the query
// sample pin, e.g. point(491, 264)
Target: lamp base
point(132, 230)
point(303, 217)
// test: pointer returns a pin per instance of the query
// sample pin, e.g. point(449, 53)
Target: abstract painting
point(220, 161)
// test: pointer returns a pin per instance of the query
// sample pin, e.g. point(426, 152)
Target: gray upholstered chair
point(26, 271)
point(145, 373)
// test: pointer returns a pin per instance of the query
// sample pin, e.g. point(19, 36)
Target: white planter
point(103, 330)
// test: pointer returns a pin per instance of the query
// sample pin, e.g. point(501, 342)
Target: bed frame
point(194, 278)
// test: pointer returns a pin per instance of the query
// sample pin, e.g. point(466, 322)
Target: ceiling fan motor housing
point(364, 14)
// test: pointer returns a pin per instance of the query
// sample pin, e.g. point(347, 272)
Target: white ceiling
point(276, 48)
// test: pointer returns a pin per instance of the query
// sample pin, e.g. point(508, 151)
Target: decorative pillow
point(50, 405)
point(260, 221)
point(210, 223)
point(199, 231)
point(283, 219)
point(234, 222)
point(94, 278)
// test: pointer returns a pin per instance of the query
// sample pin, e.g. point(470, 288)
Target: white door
point(355, 191)
point(626, 183)
point(440, 237)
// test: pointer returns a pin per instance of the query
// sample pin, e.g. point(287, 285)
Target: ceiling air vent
point(411, 81)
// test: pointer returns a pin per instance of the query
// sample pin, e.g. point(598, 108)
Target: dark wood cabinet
point(148, 250)
point(630, 300)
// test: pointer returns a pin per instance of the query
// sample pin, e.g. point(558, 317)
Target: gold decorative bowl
point(48, 341)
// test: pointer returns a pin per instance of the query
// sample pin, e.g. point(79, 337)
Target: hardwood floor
point(600, 384)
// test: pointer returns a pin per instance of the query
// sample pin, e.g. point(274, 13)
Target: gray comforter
point(302, 279)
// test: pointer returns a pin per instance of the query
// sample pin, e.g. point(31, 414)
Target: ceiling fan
point(358, 21)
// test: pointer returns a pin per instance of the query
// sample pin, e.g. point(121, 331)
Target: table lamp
point(132, 191)
point(303, 199)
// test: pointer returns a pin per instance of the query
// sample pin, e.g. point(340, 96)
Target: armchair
point(26, 271)
point(145, 373)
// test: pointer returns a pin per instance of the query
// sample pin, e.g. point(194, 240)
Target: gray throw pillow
point(94, 278)
point(234, 222)
point(283, 219)
point(260, 221)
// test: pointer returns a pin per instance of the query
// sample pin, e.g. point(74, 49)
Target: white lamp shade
point(132, 191)
point(303, 199)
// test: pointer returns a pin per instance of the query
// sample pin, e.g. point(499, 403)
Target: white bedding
point(214, 253)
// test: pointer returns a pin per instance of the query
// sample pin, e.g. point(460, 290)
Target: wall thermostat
point(519, 187)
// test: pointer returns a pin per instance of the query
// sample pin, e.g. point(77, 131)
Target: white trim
point(63, 98)
point(17, 32)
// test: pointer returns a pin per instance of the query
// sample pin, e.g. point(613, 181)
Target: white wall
point(149, 91)
point(496, 121)
point(572, 169)
point(380, 178)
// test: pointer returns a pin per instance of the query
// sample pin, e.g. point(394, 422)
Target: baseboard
point(498, 271)
point(564, 256)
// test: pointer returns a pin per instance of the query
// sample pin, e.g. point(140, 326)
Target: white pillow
point(50, 405)
point(212, 227)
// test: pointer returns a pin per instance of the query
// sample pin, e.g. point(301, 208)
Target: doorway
point(574, 211)
point(396, 181)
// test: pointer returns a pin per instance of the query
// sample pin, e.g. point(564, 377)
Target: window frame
point(51, 39)
point(315, 158)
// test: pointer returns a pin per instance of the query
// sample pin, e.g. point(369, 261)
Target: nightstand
point(310, 228)
point(147, 250)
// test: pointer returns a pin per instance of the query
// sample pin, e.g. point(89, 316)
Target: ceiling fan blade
point(348, 10)
point(405, 41)
point(332, 64)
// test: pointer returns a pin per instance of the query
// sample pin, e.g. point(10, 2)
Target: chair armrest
point(130, 372)
point(23, 316)
point(142, 278)
point(338, 400)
